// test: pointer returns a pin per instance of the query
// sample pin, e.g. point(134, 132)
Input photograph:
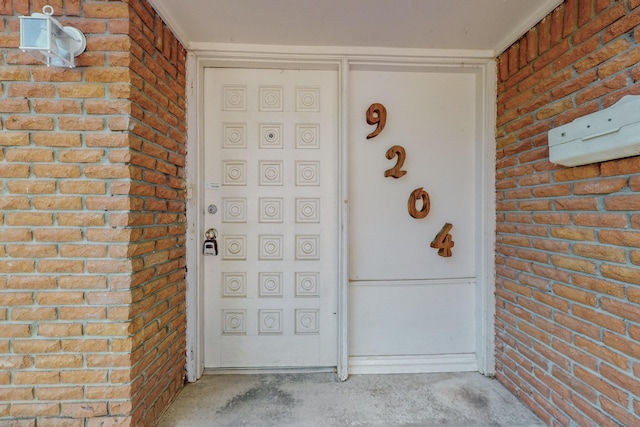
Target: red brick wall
point(568, 239)
point(157, 148)
point(92, 225)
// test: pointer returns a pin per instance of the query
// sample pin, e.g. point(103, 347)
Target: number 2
point(376, 114)
point(396, 172)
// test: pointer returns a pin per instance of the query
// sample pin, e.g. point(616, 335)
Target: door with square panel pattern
point(270, 193)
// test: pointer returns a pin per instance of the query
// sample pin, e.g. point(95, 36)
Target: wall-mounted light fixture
point(46, 40)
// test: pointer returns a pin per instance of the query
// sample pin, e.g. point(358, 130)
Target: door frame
point(342, 60)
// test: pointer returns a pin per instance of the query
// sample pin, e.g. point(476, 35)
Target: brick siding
point(568, 239)
point(92, 220)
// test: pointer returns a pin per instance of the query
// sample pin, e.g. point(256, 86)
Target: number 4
point(443, 241)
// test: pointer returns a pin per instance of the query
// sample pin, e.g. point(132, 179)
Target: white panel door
point(270, 170)
point(407, 301)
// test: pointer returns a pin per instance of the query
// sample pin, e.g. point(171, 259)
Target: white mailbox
point(608, 134)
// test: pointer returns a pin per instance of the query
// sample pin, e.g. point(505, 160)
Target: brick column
point(92, 220)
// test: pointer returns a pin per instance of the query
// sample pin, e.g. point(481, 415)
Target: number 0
point(419, 194)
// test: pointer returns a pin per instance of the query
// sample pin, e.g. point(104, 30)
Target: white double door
point(271, 141)
point(271, 171)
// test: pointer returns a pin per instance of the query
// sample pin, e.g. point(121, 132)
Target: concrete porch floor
point(458, 399)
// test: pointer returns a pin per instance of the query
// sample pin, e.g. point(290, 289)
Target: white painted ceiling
point(489, 25)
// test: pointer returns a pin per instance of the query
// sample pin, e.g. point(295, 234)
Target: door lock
point(210, 246)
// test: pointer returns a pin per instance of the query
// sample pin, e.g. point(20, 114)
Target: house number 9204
point(377, 115)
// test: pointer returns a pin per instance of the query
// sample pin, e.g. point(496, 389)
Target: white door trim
point(486, 199)
point(411, 364)
point(343, 225)
point(308, 58)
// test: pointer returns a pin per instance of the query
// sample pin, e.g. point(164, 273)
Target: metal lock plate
point(210, 247)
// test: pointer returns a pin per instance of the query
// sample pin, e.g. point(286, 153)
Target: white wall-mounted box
point(608, 134)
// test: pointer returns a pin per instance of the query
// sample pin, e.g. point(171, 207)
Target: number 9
point(376, 114)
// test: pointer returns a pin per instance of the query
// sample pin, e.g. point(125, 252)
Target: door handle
point(211, 234)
